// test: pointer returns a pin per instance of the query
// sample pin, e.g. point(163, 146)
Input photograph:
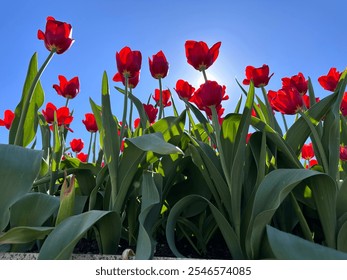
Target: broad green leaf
point(154, 142)
point(38, 207)
point(274, 189)
point(24, 234)
point(27, 135)
point(111, 139)
point(139, 106)
point(286, 246)
point(62, 240)
point(16, 161)
point(150, 210)
point(97, 114)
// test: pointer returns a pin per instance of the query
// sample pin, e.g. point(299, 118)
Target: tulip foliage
point(259, 188)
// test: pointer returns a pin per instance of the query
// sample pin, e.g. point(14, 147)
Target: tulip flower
point(209, 94)
point(67, 89)
point(330, 81)
point(158, 65)
point(63, 115)
point(259, 76)
point(343, 106)
point(307, 151)
point(343, 153)
point(90, 122)
point(128, 62)
point(151, 112)
point(298, 81)
point(199, 55)
point(165, 97)
point(82, 157)
point(8, 119)
point(137, 122)
point(184, 90)
point(57, 36)
point(287, 100)
point(76, 145)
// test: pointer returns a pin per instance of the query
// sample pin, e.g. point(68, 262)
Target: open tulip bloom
point(204, 174)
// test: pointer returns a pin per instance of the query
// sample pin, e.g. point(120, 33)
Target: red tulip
point(307, 151)
point(330, 81)
point(184, 90)
point(132, 82)
point(151, 112)
point(63, 115)
point(298, 81)
point(209, 94)
point(259, 76)
point(67, 89)
point(165, 97)
point(8, 119)
point(82, 157)
point(128, 62)
point(76, 145)
point(57, 36)
point(343, 153)
point(158, 66)
point(343, 106)
point(199, 55)
point(286, 100)
point(137, 122)
point(90, 122)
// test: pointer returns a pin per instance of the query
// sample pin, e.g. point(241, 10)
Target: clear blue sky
point(289, 36)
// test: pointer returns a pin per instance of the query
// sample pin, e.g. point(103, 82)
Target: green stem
point(204, 74)
point(125, 108)
point(90, 145)
point(302, 221)
point(67, 102)
point(285, 122)
point(161, 107)
point(18, 139)
point(94, 144)
point(131, 113)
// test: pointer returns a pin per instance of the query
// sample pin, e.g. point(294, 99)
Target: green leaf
point(342, 237)
point(139, 106)
point(60, 243)
point(286, 246)
point(38, 207)
point(24, 234)
point(341, 202)
point(111, 139)
point(274, 189)
point(18, 169)
point(27, 135)
point(154, 142)
point(150, 210)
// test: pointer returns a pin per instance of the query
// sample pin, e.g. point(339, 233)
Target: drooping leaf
point(24, 234)
point(62, 240)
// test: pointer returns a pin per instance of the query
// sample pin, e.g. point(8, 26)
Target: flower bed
point(266, 188)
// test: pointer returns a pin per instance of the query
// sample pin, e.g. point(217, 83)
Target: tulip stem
point(125, 108)
point(19, 134)
point(161, 108)
point(94, 145)
point(285, 122)
point(131, 112)
point(204, 74)
point(90, 145)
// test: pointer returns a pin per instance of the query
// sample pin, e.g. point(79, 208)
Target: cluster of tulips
point(158, 175)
